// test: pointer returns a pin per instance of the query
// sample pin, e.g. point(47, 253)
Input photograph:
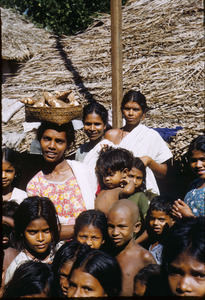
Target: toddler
point(112, 166)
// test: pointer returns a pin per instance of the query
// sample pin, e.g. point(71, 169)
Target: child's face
point(112, 179)
point(64, 273)
point(38, 236)
point(53, 145)
point(94, 126)
point(137, 176)
point(8, 174)
point(186, 276)
point(158, 220)
point(83, 284)
point(90, 235)
point(120, 226)
point(133, 113)
point(197, 163)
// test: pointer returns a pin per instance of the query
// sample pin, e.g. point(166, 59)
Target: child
point(138, 175)
point(111, 167)
point(123, 222)
point(10, 174)
point(158, 221)
point(37, 230)
point(63, 262)
point(193, 204)
point(142, 277)
point(8, 210)
point(183, 266)
point(32, 279)
point(96, 274)
point(95, 119)
point(91, 228)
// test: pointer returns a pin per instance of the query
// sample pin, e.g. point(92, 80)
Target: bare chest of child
point(131, 260)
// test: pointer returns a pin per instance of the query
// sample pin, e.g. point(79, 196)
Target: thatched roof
point(162, 57)
point(20, 38)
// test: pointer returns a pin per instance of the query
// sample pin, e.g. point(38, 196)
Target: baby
point(112, 166)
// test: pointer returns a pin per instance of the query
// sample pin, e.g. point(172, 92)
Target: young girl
point(37, 231)
point(95, 119)
point(144, 142)
point(96, 274)
point(183, 265)
point(193, 204)
point(10, 176)
point(31, 279)
point(91, 229)
point(139, 197)
point(112, 166)
point(63, 262)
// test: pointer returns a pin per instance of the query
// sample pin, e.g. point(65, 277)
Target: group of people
point(96, 225)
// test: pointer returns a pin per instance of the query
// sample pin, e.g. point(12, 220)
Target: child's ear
point(137, 227)
point(103, 241)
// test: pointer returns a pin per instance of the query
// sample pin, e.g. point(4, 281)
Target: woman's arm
point(113, 135)
point(159, 170)
point(67, 232)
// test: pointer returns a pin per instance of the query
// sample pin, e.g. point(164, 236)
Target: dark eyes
point(134, 109)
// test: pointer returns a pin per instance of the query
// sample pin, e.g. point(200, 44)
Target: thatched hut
point(162, 57)
point(20, 41)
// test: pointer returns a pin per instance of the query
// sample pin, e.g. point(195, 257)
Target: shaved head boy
point(123, 222)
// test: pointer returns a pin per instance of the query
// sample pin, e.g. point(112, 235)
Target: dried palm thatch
point(162, 57)
point(21, 39)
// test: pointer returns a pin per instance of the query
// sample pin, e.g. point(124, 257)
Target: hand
point(181, 209)
point(124, 182)
point(146, 160)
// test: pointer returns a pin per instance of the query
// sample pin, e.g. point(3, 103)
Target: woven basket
point(53, 114)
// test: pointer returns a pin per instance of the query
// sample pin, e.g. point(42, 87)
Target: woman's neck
point(49, 168)
point(129, 127)
point(7, 190)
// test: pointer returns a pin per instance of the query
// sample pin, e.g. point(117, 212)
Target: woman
point(95, 119)
point(95, 274)
point(67, 183)
point(144, 142)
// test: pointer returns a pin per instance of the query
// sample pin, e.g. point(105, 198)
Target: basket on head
point(56, 115)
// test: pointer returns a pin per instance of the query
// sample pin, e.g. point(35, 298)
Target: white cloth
point(18, 195)
point(23, 257)
point(144, 141)
point(87, 181)
point(92, 156)
point(9, 108)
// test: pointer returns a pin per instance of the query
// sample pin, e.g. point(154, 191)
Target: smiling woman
point(70, 186)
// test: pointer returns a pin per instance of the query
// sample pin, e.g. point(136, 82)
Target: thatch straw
point(162, 56)
point(21, 39)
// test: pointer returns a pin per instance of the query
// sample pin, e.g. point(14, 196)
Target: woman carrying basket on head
point(67, 183)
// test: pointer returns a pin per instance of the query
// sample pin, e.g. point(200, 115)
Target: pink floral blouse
point(66, 196)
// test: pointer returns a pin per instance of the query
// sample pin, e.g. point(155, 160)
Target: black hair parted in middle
point(32, 208)
point(92, 217)
point(114, 159)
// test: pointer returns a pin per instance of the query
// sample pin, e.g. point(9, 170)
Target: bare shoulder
point(144, 254)
point(9, 255)
point(113, 135)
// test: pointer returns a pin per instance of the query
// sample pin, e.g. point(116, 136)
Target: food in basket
point(52, 101)
point(28, 100)
point(60, 99)
point(52, 109)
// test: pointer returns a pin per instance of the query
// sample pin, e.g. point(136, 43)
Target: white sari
point(143, 141)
